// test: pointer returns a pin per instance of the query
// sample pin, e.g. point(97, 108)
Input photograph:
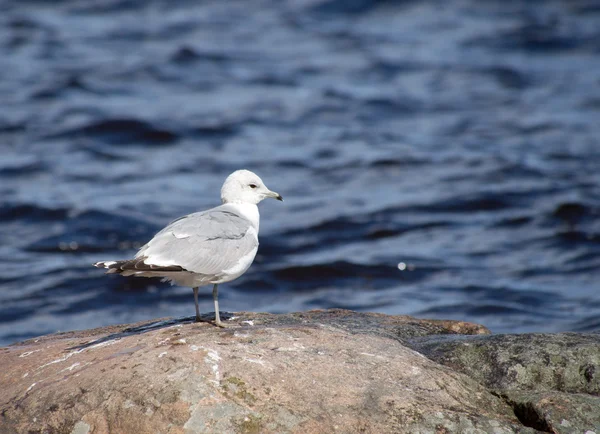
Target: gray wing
point(205, 242)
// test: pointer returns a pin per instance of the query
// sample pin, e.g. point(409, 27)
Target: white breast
point(248, 211)
point(244, 262)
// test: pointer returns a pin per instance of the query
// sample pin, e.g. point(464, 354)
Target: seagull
point(207, 247)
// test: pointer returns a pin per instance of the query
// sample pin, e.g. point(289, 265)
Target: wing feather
point(206, 243)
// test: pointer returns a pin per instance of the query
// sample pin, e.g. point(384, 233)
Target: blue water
point(438, 159)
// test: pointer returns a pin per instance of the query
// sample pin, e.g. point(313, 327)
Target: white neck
point(249, 211)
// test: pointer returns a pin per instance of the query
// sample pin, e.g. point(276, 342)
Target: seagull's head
point(243, 186)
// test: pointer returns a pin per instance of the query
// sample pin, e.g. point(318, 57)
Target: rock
point(567, 362)
point(551, 380)
point(556, 412)
point(313, 372)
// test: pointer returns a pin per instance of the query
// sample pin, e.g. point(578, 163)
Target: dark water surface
point(461, 139)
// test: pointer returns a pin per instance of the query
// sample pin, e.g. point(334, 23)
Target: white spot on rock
point(62, 359)
point(72, 353)
point(70, 368)
point(81, 428)
point(377, 356)
point(28, 353)
point(213, 358)
point(104, 344)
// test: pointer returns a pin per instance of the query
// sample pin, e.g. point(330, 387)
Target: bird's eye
point(252, 185)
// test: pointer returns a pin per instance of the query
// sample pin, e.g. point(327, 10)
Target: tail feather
point(136, 265)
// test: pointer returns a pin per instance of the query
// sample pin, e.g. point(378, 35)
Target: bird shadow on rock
point(148, 326)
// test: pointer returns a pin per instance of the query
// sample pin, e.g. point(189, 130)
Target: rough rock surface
point(556, 412)
point(314, 372)
point(551, 380)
